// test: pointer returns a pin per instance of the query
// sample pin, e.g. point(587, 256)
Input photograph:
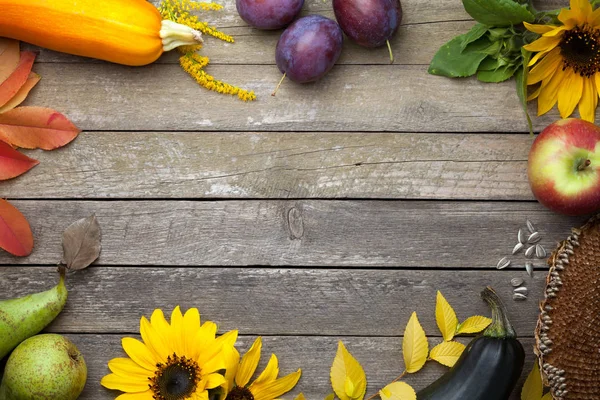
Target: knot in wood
point(295, 223)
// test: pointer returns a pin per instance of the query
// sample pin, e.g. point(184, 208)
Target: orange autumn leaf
point(21, 95)
point(36, 128)
point(13, 163)
point(10, 87)
point(9, 57)
point(15, 232)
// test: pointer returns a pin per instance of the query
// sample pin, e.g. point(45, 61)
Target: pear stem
point(584, 164)
point(278, 85)
point(390, 50)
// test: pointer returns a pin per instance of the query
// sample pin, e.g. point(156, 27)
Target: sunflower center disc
point(176, 379)
point(240, 393)
point(580, 48)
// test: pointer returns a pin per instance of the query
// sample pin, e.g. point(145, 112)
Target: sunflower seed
point(529, 268)
point(518, 247)
point(522, 237)
point(516, 282)
point(519, 297)
point(534, 237)
point(530, 227)
point(523, 290)
point(540, 252)
point(529, 252)
point(503, 263)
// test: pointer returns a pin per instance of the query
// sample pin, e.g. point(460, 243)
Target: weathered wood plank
point(351, 98)
point(310, 233)
point(380, 357)
point(264, 301)
point(281, 165)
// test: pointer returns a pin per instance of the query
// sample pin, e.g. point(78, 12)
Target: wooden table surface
point(329, 212)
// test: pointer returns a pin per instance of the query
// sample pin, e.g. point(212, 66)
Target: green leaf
point(489, 64)
point(475, 33)
point(498, 12)
point(521, 78)
point(499, 75)
point(453, 62)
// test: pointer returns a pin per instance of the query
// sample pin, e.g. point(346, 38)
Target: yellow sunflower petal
point(154, 340)
point(191, 324)
point(556, 31)
point(147, 395)
point(206, 334)
point(213, 362)
point(270, 373)
point(116, 382)
point(126, 367)
point(597, 80)
point(161, 326)
point(272, 390)
point(594, 18)
point(569, 93)
point(214, 380)
point(177, 332)
point(231, 356)
point(537, 57)
point(549, 94)
point(249, 363)
point(545, 67)
point(543, 44)
point(535, 93)
point(140, 353)
point(589, 100)
point(203, 395)
point(539, 29)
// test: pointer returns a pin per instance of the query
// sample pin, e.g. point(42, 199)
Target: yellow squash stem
point(174, 35)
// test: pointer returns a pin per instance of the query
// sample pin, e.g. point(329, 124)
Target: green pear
point(44, 367)
point(26, 316)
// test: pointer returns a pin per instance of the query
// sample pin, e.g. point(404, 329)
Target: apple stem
point(390, 50)
point(278, 85)
point(584, 164)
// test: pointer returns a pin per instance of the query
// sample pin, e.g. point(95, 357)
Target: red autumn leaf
point(10, 87)
point(13, 163)
point(9, 57)
point(21, 95)
point(15, 232)
point(36, 128)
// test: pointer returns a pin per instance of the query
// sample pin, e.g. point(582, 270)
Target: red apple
point(564, 167)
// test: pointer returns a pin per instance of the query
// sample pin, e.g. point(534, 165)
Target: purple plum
point(309, 48)
point(269, 14)
point(369, 23)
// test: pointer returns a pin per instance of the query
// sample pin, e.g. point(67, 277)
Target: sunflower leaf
point(348, 378)
point(414, 345)
point(398, 391)
point(475, 33)
point(453, 62)
point(445, 317)
point(521, 78)
point(498, 12)
point(499, 75)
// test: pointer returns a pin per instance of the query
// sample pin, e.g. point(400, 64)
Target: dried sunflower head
point(568, 328)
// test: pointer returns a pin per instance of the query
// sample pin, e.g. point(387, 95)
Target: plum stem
point(390, 50)
point(279, 84)
point(584, 164)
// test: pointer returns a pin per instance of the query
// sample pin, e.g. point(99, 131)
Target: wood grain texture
point(380, 357)
point(391, 98)
point(281, 165)
point(334, 233)
point(264, 301)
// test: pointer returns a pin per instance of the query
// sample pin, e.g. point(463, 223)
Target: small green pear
point(44, 367)
point(24, 317)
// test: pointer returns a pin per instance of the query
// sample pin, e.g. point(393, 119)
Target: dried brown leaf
point(82, 243)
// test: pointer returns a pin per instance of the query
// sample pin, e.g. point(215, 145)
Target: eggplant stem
point(500, 327)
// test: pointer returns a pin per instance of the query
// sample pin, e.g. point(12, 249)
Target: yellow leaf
point(300, 396)
point(414, 345)
point(348, 378)
point(547, 396)
point(445, 317)
point(447, 353)
point(533, 387)
point(398, 391)
point(473, 324)
point(330, 396)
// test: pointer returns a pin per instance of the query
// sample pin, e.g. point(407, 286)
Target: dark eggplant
point(490, 366)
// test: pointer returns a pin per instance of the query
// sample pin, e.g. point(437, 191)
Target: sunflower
point(266, 386)
point(567, 62)
point(176, 361)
